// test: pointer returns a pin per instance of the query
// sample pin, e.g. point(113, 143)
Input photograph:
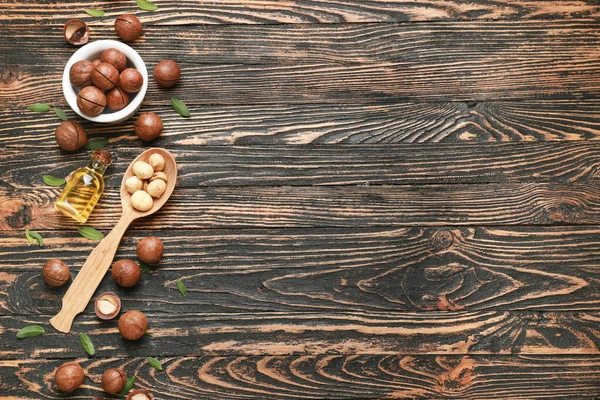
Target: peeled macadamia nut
point(55, 272)
point(142, 170)
point(80, 74)
point(157, 162)
point(148, 126)
point(141, 201)
point(105, 76)
point(140, 394)
point(113, 380)
point(131, 80)
point(156, 188)
point(114, 57)
point(133, 184)
point(150, 250)
point(159, 175)
point(91, 101)
point(126, 273)
point(167, 73)
point(69, 376)
point(133, 324)
point(107, 305)
point(70, 136)
point(117, 99)
point(128, 27)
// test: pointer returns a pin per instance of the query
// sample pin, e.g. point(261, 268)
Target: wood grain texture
point(426, 62)
point(333, 206)
point(464, 163)
point(455, 122)
point(327, 376)
point(303, 12)
point(329, 270)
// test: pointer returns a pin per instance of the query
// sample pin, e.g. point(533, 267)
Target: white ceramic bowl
point(90, 52)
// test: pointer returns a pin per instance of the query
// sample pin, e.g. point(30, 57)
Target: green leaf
point(60, 114)
point(30, 235)
point(146, 5)
point(145, 267)
point(53, 181)
point(96, 144)
point(128, 386)
point(87, 344)
point(181, 287)
point(90, 233)
point(39, 107)
point(154, 363)
point(95, 13)
point(30, 331)
point(180, 107)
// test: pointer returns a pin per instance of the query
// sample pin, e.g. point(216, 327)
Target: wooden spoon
point(89, 277)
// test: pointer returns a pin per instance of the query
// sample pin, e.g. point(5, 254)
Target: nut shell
point(80, 74)
point(91, 101)
point(140, 394)
point(70, 135)
point(131, 80)
point(69, 376)
point(150, 250)
point(128, 27)
point(148, 126)
point(133, 324)
point(55, 272)
point(114, 57)
point(76, 32)
point(105, 76)
point(167, 73)
point(107, 305)
point(126, 273)
point(113, 380)
point(117, 99)
point(96, 61)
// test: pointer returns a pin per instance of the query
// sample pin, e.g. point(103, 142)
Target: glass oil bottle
point(84, 188)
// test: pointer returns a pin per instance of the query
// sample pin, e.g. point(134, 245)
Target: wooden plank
point(453, 122)
point(327, 377)
point(494, 61)
point(333, 270)
point(302, 12)
point(334, 206)
point(464, 163)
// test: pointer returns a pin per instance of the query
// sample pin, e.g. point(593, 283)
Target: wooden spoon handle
point(89, 277)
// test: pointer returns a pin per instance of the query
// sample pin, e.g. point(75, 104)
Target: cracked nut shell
point(114, 57)
point(133, 324)
point(131, 80)
point(148, 126)
point(105, 76)
point(69, 376)
point(117, 99)
point(113, 380)
point(55, 272)
point(128, 27)
point(167, 73)
point(80, 74)
point(70, 135)
point(126, 273)
point(140, 394)
point(150, 250)
point(76, 32)
point(107, 305)
point(91, 101)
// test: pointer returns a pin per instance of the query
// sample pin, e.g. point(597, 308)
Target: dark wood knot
point(444, 238)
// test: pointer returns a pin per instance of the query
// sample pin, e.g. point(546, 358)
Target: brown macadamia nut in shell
point(96, 61)
point(113, 380)
point(126, 273)
point(131, 80)
point(69, 376)
point(55, 272)
point(91, 101)
point(167, 73)
point(133, 324)
point(128, 27)
point(150, 250)
point(114, 57)
point(80, 74)
point(70, 136)
point(148, 126)
point(117, 99)
point(105, 76)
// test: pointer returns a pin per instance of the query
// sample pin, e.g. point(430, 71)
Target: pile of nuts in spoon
point(148, 182)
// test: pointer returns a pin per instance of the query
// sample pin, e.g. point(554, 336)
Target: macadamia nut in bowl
point(106, 74)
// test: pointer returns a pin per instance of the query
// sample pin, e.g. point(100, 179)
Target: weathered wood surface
point(24, 12)
point(357, 270)
point(430, 62)
point(331, 124)
point(327, 376)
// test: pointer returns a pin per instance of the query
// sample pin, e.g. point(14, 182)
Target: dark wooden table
point(377, 199)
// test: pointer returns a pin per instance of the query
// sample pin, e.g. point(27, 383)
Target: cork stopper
point(103, 156)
